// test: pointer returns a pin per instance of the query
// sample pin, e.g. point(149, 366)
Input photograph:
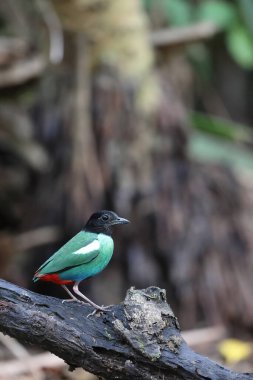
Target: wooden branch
point(22, 71)
point(138, 339)
point(183, 35)
point(11, 48)
point(54, 27)
point(36, 237)
point(33, 364)
point(204, 335)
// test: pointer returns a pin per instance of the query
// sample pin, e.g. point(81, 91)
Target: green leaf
point(225, 129)
point(205, 148)
point(222, 13)
point(147, 4)
point(240, 45)
point(178, 12)
point(247, 13)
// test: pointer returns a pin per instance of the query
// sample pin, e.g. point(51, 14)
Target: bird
point(83, 256)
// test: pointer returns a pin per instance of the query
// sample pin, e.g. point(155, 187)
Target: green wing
point(67, 257)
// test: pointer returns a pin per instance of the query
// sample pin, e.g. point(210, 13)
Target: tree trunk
point(138, 339)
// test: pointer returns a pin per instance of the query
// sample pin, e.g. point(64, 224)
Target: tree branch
point(183, 35)
point(138, 339)
point(23, 71)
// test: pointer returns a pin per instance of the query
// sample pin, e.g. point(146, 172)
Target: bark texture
point(138, 339)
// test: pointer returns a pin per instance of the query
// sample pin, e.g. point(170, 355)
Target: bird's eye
point(105, 217)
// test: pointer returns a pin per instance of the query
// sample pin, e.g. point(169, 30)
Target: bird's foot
point(99, 310)
point(106, 308)
point(73, 300)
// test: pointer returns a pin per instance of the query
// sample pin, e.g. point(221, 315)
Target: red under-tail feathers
point(52, 277)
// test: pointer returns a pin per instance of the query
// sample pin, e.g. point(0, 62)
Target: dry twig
point(183, 35)
point(22, 71)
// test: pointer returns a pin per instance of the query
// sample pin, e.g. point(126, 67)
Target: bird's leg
point(77, 291)
point(73, 298)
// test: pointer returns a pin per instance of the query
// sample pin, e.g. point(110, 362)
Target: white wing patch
point(94, 246)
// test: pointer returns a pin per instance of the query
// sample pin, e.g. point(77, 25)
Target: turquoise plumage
point(85, 255)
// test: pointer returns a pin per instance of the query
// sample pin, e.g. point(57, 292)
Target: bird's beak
point(120, 221)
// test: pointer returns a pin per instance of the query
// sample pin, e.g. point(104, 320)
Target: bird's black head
point(102, 221)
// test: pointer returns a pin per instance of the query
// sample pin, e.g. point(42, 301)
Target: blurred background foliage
point(233, 20)
point(144, 108)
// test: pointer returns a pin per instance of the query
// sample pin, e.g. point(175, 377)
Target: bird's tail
point(36, 276)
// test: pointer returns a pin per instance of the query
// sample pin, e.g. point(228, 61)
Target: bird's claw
point(73, 300)
point(99, 310)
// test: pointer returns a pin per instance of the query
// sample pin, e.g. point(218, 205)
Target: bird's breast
point(105, 251)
